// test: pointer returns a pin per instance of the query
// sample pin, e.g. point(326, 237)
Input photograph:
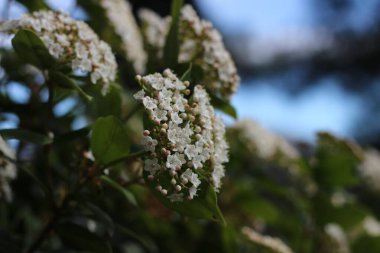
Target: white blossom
point(261, 142)
point(200, 43)
point(369, 169)
point(120, 14)
point(71, 41)
point(149, 143)
point(272, 243)
point(371, 226)
point(190, 137)
point(338, 236)
point(8, 170)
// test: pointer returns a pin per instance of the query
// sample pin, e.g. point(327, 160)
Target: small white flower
point(139, 95)
point(149, 143)
point(149, 103)
point(152, 166)
point(191, 151)
point(175, 161)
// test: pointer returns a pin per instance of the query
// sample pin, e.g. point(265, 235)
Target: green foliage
point(127, 194)
point(31, 49)
point(81, 238)
point(223, 105)
point(336, 161)
point(26, 136)
point(109, 140)
point(171, 49)
point(204, 206)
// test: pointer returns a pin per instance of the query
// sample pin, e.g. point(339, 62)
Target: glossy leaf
point(62, 80)
point(187, 75)
point(223, 105)
point(31, 49)
point(109, 139)
point(171, 49)
point(127, 194)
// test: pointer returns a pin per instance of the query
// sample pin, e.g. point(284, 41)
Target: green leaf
point(187, 75)
point(145, 241)
point(127, 194)
point(105, 105)
point(337, 160)
point(109, 140)
point(26, 136)
point(367, 244)
point(101, 216)
point(203, 206)
point(31, 49)
point(223, 105)
point(62, 80)
point(171, 49)
point(80, 238)
point(349, 216)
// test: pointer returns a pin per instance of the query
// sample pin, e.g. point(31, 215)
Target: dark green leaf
point(127, 194)
point(203, 206)
point(62, 80)
point(80, 238)
point(336, 161)
point(349, 216)
point(187, 75)
point(367, 244)
point(31, 49)
point(105, 105)
point(26, 136)
point(171, 49)
point(101, 216)
point(223, 105)
point(109, 140)
point(146, 242)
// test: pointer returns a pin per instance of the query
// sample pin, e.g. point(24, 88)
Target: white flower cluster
point(272, 243)
point(200, 43)
point(154, 30)
point(186, 139)
point(72, 41)
point(369, 169)
point(265, 144)
point(8, 170)
point(371, 226)
point(338, 236)
point(120, 14)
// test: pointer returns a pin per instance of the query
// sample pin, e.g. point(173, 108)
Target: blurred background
point(306, 65)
